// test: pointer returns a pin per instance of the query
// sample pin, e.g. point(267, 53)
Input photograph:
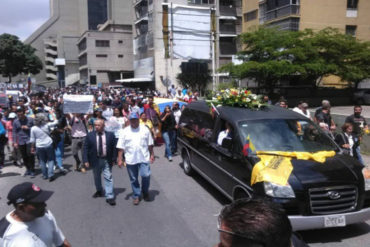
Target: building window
point(351, 30)
point(120, 56)
point(352, 4)
point(101, 55)
point(120, 41)
point(102, 43)
point(97, 11)
point(252, 15)
point(201, 1)
point(82, 45)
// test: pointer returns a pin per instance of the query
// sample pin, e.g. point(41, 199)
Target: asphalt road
point(182, 211)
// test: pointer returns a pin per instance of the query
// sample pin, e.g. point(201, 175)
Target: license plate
point(334, 221)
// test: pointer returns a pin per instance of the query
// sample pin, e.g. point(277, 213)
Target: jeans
point(359, 157)
point(167, 141)
point(102, 166)
point(46, 157)
point(173, 138)
point(59, 153)
point(142, 169)
point(77, 145)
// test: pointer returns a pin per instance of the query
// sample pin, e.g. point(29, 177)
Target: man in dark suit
point(99, 152)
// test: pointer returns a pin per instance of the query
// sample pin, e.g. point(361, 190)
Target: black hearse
point(318, 195)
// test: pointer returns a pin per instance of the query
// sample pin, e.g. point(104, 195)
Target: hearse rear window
point(200, 122)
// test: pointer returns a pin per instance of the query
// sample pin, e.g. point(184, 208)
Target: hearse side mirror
point(227, 143)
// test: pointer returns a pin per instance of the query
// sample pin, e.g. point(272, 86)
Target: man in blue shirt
point(21, 137)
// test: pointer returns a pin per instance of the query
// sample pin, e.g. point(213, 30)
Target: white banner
point(78, 104)
point(191, 32)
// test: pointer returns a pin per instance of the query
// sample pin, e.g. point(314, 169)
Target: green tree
point(195, 75)
point(304, 57)
point(16, 57)
point(350, 56)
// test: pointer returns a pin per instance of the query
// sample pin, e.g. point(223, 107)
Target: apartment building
point(350, 16)
point(105, 55)
point(167, 33)
point(67, 26)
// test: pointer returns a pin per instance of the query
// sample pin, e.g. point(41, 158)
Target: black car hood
point(337, 169)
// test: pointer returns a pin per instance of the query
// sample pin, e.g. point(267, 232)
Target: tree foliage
point(16, 57)
point(194, 75)
point(302, 57)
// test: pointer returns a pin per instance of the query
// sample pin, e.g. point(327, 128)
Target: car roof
point(236, 114)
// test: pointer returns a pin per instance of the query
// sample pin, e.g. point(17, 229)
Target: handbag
point(67, 138)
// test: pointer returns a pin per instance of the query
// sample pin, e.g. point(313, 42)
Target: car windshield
point(285, 135)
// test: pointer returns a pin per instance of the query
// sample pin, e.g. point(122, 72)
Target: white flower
point(254, 97)
point(248, 100)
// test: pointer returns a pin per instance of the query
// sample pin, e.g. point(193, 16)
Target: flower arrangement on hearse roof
point(237, 97)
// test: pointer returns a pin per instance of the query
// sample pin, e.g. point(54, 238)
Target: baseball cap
point(133, 115)
point(12, 115)
point(28, 192)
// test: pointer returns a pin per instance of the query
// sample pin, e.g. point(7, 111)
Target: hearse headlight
point(280, 191)
point(366, 173)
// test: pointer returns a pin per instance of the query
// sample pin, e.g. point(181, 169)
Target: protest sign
point(78, 104)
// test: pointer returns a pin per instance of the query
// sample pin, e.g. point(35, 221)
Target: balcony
point(51, 43)
point(50, 68)
point(227, 11)
point(50, 60)
point(227, 46)
point(51, 52)
point(51, 76)
point(227, 29)
point(141, 12)
point(287, 10)
point(137, 2)
point(144, 40)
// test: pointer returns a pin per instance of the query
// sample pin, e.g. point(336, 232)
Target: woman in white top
point(44, 145)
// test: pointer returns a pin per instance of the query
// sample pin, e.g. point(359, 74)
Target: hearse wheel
point(188, 170)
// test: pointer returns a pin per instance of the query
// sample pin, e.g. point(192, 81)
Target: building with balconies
point(349, 16)
point(69, 20)
point(155, 43)
point(105, 56)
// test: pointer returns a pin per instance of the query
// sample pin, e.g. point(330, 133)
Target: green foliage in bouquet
point(236, 97)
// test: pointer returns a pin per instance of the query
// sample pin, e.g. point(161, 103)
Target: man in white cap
point(30, 224)
point(136, 142)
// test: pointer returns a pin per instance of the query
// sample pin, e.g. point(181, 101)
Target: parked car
point(317, 195)
point(361, 96)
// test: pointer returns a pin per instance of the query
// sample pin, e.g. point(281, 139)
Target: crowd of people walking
point(34, 127)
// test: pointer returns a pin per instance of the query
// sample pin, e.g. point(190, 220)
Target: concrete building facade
point(59, 35)
point(349, 16)
point(105, 56)
point(151, 60)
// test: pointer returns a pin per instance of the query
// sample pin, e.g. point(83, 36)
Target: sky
point(22, 17)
